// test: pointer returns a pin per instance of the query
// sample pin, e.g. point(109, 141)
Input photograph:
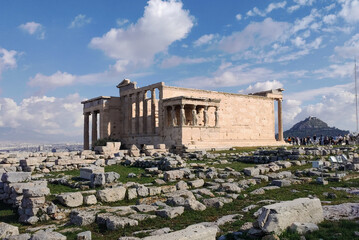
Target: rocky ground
point(152, 194)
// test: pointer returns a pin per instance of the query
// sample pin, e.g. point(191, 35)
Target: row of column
point(182, 116)
point(86, 129)
point(137, 98)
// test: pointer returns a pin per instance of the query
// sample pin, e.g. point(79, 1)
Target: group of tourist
point(322, 140)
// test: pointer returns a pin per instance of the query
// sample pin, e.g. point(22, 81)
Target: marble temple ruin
point(183, 118)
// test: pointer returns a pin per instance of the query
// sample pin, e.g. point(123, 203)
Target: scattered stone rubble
point(179, 186)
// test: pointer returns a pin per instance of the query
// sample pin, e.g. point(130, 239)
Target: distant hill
point(11, 135)
point(313, 126)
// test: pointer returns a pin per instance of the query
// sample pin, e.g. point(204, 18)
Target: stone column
point(205, 116)
point(86, 131)
point(144, 113)
point(94, 127)
point(194, 116)
point(182, 116)
point(173, 116)
point(137, 117)
point(216, 117)
point(153, 111)
point(129, 114)
point(280, 124)
point(103, 125)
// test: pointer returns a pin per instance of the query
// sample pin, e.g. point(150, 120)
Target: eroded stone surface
point(111, 194)
point(74, 199)
point(341, 211)
point(193, 232)
point(277, 217)
point(7, 230)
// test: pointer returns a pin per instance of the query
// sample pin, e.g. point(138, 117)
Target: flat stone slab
point(86, 172)
point(111, 194)
point(342, 211)
point(82, 218)
point(170, 212)
point(281, 183)
point(144, 208)
point(74, 199)
point(193, 232)
point(115, 222)
point(48, 234)
point(277, 217)
point(141, 217)
point(7, 230)
point(36, 192)
point(12, 177)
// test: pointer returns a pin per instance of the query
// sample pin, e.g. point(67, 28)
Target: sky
point(54, 54)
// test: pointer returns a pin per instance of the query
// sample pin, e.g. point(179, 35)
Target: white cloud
point(336, 108)
point(336, 71)
point(291, 109)
point(330, 19)
point(350, 10)
point(298, 42)
point(58, 79)
point(272, 6)
point(238, 16)
point(120, 22)
point(262, 86)
point(293, 8)
point(62, 79)
point(304, 23)
point(7, 59)
point(205, 39)
point(33, 28)
point(80, 21)
point(350, 48)
point(46, 115)
point(309, 95)
point(175, 61)
point(228, 75)
point(257, 34)
point(299, 4)
point(304, 2)
point(163, 23)
point(334, 104)
point(330, 7)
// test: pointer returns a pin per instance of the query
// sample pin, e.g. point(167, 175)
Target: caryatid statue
point(194, 116)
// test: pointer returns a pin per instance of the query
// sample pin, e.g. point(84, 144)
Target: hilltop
point(313, 126)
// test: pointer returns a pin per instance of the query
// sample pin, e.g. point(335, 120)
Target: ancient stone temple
point(184, 118)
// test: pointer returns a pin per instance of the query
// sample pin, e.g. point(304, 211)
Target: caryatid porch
point(193, 112)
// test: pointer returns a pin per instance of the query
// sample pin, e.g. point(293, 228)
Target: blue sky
point(53, 54)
